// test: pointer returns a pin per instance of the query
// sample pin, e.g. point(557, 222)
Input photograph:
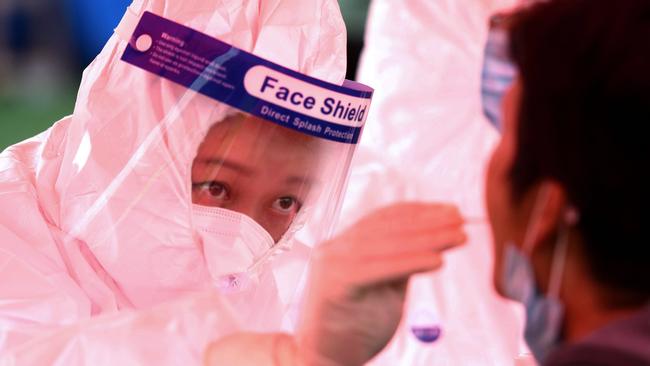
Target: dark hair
point(585, 72)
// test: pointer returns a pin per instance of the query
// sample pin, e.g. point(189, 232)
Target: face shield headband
point(244, 81)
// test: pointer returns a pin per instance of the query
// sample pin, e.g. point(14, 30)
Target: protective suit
point(429, 141)
point(208, 148)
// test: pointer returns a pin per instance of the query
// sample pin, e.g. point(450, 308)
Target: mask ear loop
point(531, 230)
point(283, 245)
point(559, 255)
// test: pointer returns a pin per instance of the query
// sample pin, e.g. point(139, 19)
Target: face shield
point(199, 162)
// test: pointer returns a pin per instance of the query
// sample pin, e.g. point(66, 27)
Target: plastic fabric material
point(426, 139)
point(110, 209)
point(354, 302)
point(173, 333)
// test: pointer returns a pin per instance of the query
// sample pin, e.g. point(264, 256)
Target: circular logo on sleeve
point(425, 326)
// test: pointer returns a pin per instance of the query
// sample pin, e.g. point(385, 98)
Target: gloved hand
point(358, 280)
point(356, 291)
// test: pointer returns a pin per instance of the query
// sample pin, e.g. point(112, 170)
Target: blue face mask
point(498, 72)
point(544, 312)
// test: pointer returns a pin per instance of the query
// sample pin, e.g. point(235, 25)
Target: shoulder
point(595, 355)
point(625, 342)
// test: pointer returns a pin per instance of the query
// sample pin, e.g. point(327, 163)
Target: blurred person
point(427, 140)
point(564, 191)
point(36, 56)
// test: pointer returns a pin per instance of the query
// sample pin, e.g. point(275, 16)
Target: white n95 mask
point(234, 245)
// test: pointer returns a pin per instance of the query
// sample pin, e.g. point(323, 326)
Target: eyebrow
point(226, 164)
point(292, 180)
point(299, 180)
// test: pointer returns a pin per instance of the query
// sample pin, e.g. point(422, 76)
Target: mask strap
point(557, 266)
point(284, 244)
point(531, 230)
point(559, 254)
point(256, 266)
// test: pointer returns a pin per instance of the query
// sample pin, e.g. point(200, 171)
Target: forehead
point(245, 130)
point(252, 141)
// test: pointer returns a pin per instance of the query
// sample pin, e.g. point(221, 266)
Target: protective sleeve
point(45, 311)
point(36, 290)
point(172, 334)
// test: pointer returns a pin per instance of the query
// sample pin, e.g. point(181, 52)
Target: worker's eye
point(216, 192)
point(286, 205)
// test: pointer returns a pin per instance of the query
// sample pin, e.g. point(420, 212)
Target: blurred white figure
point(427, 140)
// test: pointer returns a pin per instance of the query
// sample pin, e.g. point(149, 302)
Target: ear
point(550, 206)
